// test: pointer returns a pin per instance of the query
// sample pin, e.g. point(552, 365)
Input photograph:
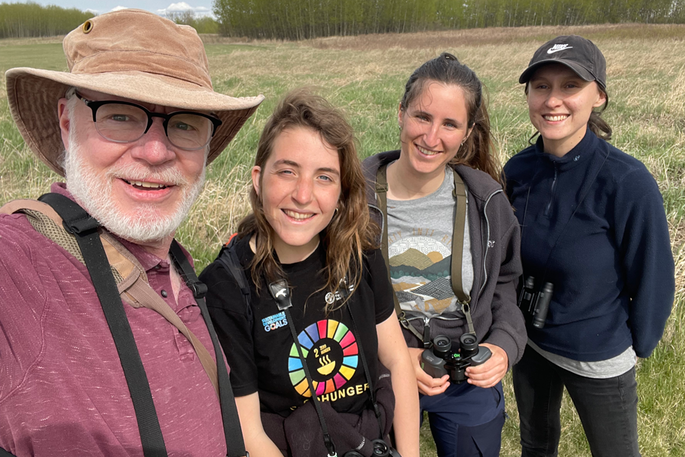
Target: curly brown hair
point(350, 232)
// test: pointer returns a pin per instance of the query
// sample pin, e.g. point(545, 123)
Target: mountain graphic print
point(420, 273)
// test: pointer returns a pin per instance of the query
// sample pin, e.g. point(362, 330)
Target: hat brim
point(33, 95)
point(580, 71)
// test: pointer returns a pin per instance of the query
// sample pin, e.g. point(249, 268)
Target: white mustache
point(132, 172)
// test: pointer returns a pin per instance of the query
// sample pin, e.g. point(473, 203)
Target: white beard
point(145, 224)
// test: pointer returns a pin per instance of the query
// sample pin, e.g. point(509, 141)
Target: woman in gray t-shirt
point(443, 287)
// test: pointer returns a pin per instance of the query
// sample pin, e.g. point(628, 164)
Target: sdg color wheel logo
point(330, 350)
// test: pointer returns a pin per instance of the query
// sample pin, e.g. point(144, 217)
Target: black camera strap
point(85, 230)
point(235, 446)
point(280, 292)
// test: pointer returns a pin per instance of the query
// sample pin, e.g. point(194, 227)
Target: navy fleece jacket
point(593, 224)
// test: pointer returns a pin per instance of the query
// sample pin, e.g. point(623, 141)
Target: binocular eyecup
point(440, 359)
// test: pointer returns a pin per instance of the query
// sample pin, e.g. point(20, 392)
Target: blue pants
point(466, 421)
point(607, 408)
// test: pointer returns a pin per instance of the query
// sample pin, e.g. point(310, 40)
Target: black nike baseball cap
point(578, 53)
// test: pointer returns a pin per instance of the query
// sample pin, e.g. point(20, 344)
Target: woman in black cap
point(595, 248)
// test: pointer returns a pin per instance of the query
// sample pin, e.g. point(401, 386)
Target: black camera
point(440, 359)
point(380, 449)
point(535, 303)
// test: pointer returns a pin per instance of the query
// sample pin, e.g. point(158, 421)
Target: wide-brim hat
point(579, 54)
point(133, 54)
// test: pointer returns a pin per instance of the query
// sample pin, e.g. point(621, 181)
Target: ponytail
point(597, 125)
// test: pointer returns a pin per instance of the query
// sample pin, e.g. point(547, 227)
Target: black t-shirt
point(259, 344)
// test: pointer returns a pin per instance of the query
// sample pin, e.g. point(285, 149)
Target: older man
point(139, 121)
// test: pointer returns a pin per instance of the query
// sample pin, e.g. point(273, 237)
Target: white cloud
point(180, 7)
point(119, 8)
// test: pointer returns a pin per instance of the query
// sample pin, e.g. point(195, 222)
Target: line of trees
point(302, 19)
point(204, 24)
point(20, 20)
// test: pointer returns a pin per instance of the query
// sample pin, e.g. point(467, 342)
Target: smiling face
point(432, 129)
point(299, 188)
point(141, 190)
point(560, 104)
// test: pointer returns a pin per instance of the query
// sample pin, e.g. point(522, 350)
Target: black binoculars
point(440, 359)
point(535, 303)
point(380, 449)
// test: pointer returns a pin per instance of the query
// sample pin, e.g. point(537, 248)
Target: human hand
point(492, 371)
point(427, 384)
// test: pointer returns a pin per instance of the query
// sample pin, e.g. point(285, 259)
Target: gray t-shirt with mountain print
point(420, 251)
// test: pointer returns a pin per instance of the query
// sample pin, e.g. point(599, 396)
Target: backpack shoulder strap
point(46, 221)
point(228, 258)
point(20, 206)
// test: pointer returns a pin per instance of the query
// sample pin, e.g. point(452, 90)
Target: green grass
point(365, 76)
point(48, 56)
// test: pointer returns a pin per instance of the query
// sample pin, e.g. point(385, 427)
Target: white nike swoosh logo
point(557, 49)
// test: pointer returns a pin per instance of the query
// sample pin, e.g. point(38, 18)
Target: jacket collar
point(479, 183)
point(581, 153)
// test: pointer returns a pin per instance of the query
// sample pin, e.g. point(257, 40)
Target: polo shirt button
point(164, 293)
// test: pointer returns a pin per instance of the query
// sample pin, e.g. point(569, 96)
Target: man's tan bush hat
point(133, 54)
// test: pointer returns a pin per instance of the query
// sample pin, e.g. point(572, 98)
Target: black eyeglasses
point(124, 122)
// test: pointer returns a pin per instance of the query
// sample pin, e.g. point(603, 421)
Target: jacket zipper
point(487, 240)
point(553, 188)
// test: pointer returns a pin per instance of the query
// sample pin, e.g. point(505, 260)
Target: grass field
point(365, 75)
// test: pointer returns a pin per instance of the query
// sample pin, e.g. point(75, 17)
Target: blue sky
point(200, 7)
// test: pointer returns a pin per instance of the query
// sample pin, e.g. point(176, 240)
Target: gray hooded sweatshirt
point(495, 251)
